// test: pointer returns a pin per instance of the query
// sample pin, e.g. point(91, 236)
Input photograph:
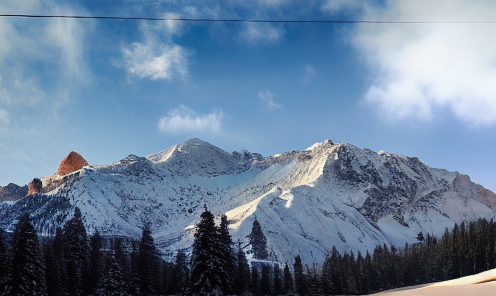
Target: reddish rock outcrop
point(71, 163)
point(35, 186)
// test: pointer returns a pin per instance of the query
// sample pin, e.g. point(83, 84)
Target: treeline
point(467, 249)
point(71, 263)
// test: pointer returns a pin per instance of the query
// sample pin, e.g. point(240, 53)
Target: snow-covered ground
point(482, 284)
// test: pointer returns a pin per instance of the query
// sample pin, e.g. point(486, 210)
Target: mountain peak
point(194, 142)
point(71, 163)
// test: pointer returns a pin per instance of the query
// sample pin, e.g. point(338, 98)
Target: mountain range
point(330, 194)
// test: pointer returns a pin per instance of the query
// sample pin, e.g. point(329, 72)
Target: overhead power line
point(339, 21)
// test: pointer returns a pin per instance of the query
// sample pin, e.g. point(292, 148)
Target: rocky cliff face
point(12, 192)
point(306, 201)
point(71, 163)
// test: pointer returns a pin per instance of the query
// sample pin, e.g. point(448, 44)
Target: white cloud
point(422, 69)
point(308, 72)
point(184, 120)
point(267, 97)
point(156, 57)
point(155, 60)
point(264, 33)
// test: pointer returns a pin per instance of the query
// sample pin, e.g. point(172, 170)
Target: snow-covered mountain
point(306, 201)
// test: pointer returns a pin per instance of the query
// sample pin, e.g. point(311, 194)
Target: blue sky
point(110, 88)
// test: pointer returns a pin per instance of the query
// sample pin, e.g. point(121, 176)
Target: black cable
point(243, 20)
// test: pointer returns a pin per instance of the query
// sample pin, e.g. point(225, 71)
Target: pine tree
point(180, 275)
point(327, 283)
point(27, 269)
point(58, 251)
point(267, 280)
point(255, 280)
point(148, 262)
point(207, 270)
point(300, 281)
point(288, 280)
point(242, 274)
point(111, 283)
point(278, 285)
point(52, 270)
point(258, 242)
point(95, 260)
point(76, 253)
point(226, 255)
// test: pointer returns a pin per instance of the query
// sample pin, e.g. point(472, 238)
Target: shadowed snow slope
point(306, 201)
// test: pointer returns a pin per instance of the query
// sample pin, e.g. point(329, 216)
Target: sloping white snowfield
point(306, 201)
point(482, 284)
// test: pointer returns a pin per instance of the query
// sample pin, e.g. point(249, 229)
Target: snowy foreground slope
point(306, 201)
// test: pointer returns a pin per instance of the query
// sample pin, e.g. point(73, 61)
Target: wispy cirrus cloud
point(422, 70)
point(157, 57)
point(186, 120)
point(54, 44)
point(156, 61)
point(268, 99)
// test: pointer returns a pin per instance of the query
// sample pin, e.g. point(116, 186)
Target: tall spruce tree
point(96, 263)
point(255, 280)
point(111, 282)
point(180, 275)
point(300, 281)
point(267, 280)
point(288, 280)
point(258, 242)
point(52, 270)
point(148, 262)
point(208, 272)
point(27, 269)
point(76, 254)
point(278, 285)
point(227, 255)
point(242, 274)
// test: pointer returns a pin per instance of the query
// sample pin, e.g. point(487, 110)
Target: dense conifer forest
point(71, 263)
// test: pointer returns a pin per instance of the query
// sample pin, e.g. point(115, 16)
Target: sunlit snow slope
point(306, 201)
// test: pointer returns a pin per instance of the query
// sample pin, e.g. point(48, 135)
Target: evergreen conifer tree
point(52, 270)
point(255, 280)
point(267, 280)
point(180, 275)
point(327, 284)
point(148, 262)
point(76, 253)
point(288, 280)
point(300, 281)
point(96, 263)
point(27, 269)
point(111, 282)
point(208, 273)
point(278, 285)
point(226, 255)
point(58, 251)
point(258, 242)
point(242, 274)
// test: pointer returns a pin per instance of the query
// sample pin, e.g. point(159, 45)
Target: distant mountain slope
point(306, 201)
point(12, 192)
